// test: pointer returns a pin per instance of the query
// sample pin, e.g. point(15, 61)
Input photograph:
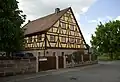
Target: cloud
point(101, 19)
point(85, 9)
point(109, 17)
point(38, 8)
point(117, 18)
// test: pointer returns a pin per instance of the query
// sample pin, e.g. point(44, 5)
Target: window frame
point(79, 41)
point(63, 41)
point(63, 25)
point(71, 40)
point(53, 40)
point(29, 39)
point(71, 28)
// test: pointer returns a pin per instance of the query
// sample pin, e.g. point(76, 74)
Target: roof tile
point(44, 23)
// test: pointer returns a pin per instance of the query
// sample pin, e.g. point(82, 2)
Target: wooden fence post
point(37, 63)
point(64, 61)
point(82, 58)
point(90, 57)
point(56, 57)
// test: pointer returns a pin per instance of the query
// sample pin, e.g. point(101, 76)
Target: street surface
point(105, 72)
point(102, 72)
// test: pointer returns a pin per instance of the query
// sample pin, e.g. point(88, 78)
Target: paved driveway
point(104, 72)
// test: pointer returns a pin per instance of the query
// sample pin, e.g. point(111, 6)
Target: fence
point(21, 66)
point(60, 61)
point(80, 60)
point(17, 66)
point(86, 57)
point(49, 64)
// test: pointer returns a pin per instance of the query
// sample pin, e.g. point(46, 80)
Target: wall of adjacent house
point(18, 66)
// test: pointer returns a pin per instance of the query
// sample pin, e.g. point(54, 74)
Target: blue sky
point(101, 10)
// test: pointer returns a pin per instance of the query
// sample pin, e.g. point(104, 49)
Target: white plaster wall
point(58, 52)
point(35, 52)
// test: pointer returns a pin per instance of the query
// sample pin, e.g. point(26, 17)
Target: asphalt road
point(104, 72)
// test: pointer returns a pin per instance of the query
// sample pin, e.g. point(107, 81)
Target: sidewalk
point(41, 74)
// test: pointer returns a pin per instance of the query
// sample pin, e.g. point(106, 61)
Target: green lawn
point(103, 58)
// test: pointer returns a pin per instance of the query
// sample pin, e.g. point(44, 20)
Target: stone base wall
point(13, 67)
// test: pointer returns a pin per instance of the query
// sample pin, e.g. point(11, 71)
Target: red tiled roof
point(44, 23)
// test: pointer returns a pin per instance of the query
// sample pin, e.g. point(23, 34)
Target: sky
point(87, 12)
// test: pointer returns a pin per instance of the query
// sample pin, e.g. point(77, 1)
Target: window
point(26, 40)
point(63, 39)
point(72, 40)
point(72, 32)
point(29, 39)
point(64, 31)
point(71, 27)
point(39, 37)
point(53, 53)
point(54, 29)
point(33, 38)
point(78, 41)
point(52, 38)
point(63, 25)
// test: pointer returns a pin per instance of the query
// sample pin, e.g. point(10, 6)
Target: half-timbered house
point(55, 34)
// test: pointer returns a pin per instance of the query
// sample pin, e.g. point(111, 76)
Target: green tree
point(76, 56)
point(11, 33)
point(106, 38)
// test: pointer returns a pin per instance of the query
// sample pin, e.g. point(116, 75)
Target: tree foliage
point(11, 18)
point(106, 38)
point(76, 56)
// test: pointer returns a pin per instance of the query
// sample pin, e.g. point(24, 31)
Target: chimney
point(29, 21)
point(57, 10)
